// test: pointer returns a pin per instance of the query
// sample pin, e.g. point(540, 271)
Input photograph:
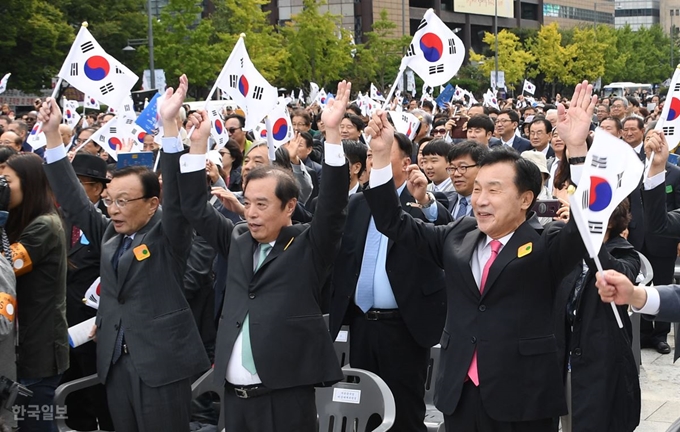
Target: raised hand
point(334, 112)
point(50, 117)
point(573, 124)
point(173, 100)
point(228, 200)
point(199, 138)
point(381, 133)
point(417, 183)
point(655, 142)
point(615, 287)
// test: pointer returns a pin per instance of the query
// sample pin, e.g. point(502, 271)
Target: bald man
point(66, 134)
point(11, 139)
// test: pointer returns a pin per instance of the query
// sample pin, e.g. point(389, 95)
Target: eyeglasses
point(231, 130)
point(120, 202)
point(299, 125)
point(461, 169)
point(537, 133)
point(6, 143)
point(439, 131)
point(617, 106)
point(503, 120)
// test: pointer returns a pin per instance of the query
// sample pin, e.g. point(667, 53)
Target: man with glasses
point(618, 108)
point(602, 112)
point(234, 124)
point(506, 125)
point(148, 345)
point(540, 134)
point(463, 167)
point(12, 140)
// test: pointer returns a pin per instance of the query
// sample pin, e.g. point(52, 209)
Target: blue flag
point(445, 96)
point(148, 119)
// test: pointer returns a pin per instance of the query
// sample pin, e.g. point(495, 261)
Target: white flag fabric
point(529, 88)
point(90, 102)
point(91, 298)
point(611, 172)
point(279, 126)
point(218, 131)
point(91, 70)
point(669, 121)
point(375, 94)
point(321, 97)
point(127, 108)
point(313, 91)
point(490, 99)
point(435, 53)
point(3, 82)
point(71, 116)
point(112, 136)
point(405, 123)
point(36, 138)
point(301, 97)
point(246, 86)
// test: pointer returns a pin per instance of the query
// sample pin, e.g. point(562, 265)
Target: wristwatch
point(577, 160)
point(430, 202)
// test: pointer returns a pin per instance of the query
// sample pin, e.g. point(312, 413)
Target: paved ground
point(660, 384)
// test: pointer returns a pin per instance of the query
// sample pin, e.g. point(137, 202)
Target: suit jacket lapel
point(465, 250)
point(509, 253)
point(283, 242)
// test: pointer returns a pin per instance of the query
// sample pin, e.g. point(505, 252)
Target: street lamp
point(148, 41)
point(673, 12)
point(495, 32)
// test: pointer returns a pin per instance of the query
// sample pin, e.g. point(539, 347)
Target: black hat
point(92, 166)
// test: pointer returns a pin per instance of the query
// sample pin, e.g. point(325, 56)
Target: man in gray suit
point(148, 347)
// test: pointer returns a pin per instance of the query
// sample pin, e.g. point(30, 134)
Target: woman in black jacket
point(599, 366)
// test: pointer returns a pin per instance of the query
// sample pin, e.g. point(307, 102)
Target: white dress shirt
point(483, 253)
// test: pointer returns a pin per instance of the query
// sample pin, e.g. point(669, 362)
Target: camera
point(9, 390)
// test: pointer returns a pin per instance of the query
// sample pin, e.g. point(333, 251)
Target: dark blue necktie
point(118, 348)
point(462, 208)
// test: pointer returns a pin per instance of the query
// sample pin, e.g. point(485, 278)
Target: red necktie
point(75, 235)
point(495, 247)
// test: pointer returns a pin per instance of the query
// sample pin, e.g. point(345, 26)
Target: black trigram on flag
point(669, 130)
point(241, 62)
point(127, 108)
point(676, 87)
point(102, 138)
point(257, 92)
point(599, 162)
point(113, 130)
point(411, 51)
point(129, 121)
point(423, 23)
point(404, 118)
point(585, 199)
point(74, 69)
point(233, 81)
point(436, 69)
point(452, 46)
point(214, 113)
point(106, 89)
point(87, 47)
point(119, 70)
point(595, 227)
point(619, 179)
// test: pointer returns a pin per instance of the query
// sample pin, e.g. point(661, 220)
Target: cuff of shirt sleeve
point(653, 303)
point(432, 212)
point(576, 171)
point(55, 154)
point(191, 162)
point(380, 176)
point(334, 155)
point(652, 182)
point(172, 145)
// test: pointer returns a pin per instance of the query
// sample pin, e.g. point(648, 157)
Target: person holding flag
point(501, 278)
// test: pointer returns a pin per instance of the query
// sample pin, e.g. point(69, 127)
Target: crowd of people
point(224, 257)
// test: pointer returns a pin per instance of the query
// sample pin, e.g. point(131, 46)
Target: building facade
point(637, 13)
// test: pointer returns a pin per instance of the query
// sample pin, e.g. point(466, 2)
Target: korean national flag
point(218, 131)
point(246, 86)
point(90, 103)
point(279, 126)
point(529, 88)
point(611, 172)
point(91, 70)
point(71, 116)
point(405, 123)
point(669, 122)
point(435, 53)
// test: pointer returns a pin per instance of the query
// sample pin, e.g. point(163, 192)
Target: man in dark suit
point(661, 251)
point(393, 328)
point(507, 123)
point(273, 345)
point(148, 347)
point(497, 338)
point(480, 129)
point(540, 134)
point(87, 408)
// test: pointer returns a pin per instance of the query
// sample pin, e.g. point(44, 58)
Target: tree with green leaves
point(553, 61)
point(186, 44)
point(513, 59)
point(35, 42)
point(319, 49)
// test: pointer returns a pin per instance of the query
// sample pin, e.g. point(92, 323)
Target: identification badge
point(669, 188)
point(524, 250)
point(141, 252)
point(21, 261)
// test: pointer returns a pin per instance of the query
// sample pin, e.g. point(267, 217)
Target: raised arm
point(193, 189)
point(76, 206)
point(329, 219)
point(384, 203)
point(658, 221)
point(176, 228)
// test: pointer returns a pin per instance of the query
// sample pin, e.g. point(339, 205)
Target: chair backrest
point(341, 343)
point(206, 383)
point(349, 404)
point(66, 389)
point(646, 272)
point(432, 369)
